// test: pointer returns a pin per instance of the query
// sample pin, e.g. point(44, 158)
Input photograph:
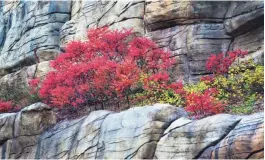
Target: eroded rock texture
point(19, 132)
point(159, 131)
point(29, 25)
point(89, 14)
point(15, 85)
point(191, 30)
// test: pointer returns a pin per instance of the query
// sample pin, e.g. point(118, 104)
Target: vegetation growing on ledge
point(120, 68)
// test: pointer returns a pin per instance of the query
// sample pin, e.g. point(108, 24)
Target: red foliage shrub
point(108, 65)
point(204, 104)
point(178, 88)
point(33, 85)
point(7, 106)
point(219, 64)
point(209, 79)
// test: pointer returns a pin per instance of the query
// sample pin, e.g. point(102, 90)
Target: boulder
point(34, 119)
point(133, 134)
point(189, 139)
point(19, 132)
point(129, 134)
point(245, 141)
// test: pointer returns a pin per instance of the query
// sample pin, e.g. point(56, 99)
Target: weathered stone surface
point(191, 30)
point(252, 42)
point(160, 131)
point(116, 14)
point(243, 142)
point(132, 134)
point(6, 126)
point(244, 16)
point(178, 123)
point(15, 85)
point(33, 120)
point(19, 132)
point(75, 139)
point(161, 14)
point(191, 45)
point(30, 25)
point(190, 139)
point(22, 147)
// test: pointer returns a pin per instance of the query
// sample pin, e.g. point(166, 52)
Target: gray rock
point(6, 126)
point(190, 30)
point(191, 139)
point(191, 45)
point(243, 142)
point(132, 134)
point(33, 120)
point(135, 132)
point(253, 43)
point(14, 86)
point(89, 14)
point(177, 123)
point(159, 131)
point(31, 25)
point(242, 17)
point(75, 139)
point(19, 132)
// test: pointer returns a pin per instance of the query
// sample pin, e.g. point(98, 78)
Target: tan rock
point(163, 14)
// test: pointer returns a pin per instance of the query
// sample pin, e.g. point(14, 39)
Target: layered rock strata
point(160, 131)
point(191, 30)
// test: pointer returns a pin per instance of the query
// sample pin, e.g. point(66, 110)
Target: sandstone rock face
point(160, 131)
point(191, 30)
point(29, 25)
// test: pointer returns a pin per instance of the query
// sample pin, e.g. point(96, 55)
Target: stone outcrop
point(194, 30)
point(15, 85)
point(89, 14)
point(29, 25)
point(19, 132)
point(160, 131)
point(191, 30)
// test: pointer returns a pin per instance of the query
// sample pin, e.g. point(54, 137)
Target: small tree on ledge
point(107, 67)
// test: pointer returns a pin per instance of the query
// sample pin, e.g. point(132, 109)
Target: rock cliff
point(160, 131)
point(191, 30)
